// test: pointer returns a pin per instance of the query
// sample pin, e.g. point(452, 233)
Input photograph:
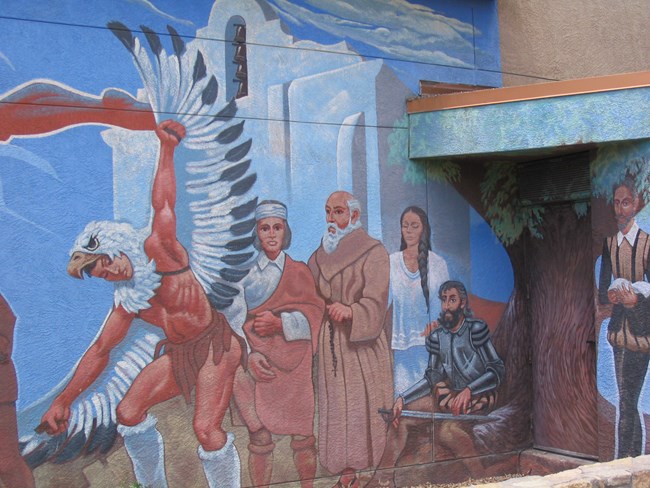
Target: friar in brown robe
point(355, 374)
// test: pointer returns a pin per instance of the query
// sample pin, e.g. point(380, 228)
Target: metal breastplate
point(461, 362)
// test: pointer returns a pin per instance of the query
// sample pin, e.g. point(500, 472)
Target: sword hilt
point(386, 414)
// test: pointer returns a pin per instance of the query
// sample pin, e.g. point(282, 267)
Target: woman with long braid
point(414, 271)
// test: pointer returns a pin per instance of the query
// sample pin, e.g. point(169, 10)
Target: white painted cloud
point(397, 28)
point(150, 6)
point(4, 208)
point(4, 58)
point(21, 154)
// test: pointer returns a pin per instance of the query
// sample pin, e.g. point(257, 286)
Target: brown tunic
point(355, 371)
point(285, 405)
point(188, 357)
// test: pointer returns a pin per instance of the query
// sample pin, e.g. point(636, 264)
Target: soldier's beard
point(448, 320)
point(331, 239)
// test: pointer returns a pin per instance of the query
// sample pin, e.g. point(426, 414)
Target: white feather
point(97, 404)
point(169, 89)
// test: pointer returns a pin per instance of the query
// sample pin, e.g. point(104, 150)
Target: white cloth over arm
point(259, 285)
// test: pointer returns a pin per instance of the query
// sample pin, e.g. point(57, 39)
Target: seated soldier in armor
point(463, 375)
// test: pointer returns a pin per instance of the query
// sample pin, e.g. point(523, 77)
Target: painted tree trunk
point(561, 317)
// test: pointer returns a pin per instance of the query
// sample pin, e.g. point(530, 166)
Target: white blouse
point(410, 316)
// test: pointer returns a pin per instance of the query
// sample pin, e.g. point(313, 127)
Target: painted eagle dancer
point(156, 284)
point(128, 368)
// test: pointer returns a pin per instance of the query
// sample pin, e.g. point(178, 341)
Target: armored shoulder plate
point(433, 343)
point(479, 332)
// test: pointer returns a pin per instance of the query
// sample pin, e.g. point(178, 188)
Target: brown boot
point(382, 479)
point(304, 457)
point(260, 457)
point(348, 479)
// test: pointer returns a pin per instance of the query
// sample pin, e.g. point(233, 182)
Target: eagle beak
point(80, 262)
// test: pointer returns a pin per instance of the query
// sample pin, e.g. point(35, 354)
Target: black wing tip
point(199, 71)
point(233, 275)
point(240, 244)
point(117, 25)
point(243, 185)
point(218, 302)
point(177, 41)
point(44, 451)
point(210, 92)
point(152, 39)
point(241, 228)
point(102, 439)
point(71, 449)
point(230, 134)
point(236, 172)
point(244, 209)
point(227, 112)
point(123, 33)
point(238, 152)
point(237, 259)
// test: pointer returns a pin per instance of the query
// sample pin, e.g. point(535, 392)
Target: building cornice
point(493, 96)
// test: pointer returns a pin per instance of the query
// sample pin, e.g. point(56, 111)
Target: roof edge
point(552, 89)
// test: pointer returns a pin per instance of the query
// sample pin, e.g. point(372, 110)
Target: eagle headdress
point(221, 250)
point(114, 239)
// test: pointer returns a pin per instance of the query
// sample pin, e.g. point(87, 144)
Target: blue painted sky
point(432, 33)
point(66, 41)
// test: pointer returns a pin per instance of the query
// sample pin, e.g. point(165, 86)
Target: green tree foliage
point(506, 217)
point(616, 161)
point(499, 191)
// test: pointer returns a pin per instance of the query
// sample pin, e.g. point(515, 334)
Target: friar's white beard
point(134, 294)
point(331, 239)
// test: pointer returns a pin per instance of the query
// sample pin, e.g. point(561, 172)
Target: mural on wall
point(13, 468)
point(620, 182)
point(535, 243)
point(352, 273)
point(226, 156)
point(274, 394)
point(416, 273)
point(463, 374)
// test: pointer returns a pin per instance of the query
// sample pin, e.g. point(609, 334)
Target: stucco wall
point(561, 40)
point(86, 93)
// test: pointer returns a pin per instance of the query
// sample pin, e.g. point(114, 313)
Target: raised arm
point(43, 108)
point(93, 362)
point(163, 245)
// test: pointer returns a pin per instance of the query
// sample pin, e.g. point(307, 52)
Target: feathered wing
point(177, 85)
point(222, 206)
point(92, 426)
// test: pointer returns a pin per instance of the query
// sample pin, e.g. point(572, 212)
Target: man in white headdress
point(276, 395)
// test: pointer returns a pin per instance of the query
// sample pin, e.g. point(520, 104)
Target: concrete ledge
point(627, 472)
point(536, 462)
point(531, 125)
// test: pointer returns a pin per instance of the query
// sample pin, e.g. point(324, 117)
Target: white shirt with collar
point(630, 236)
point(641, 287)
